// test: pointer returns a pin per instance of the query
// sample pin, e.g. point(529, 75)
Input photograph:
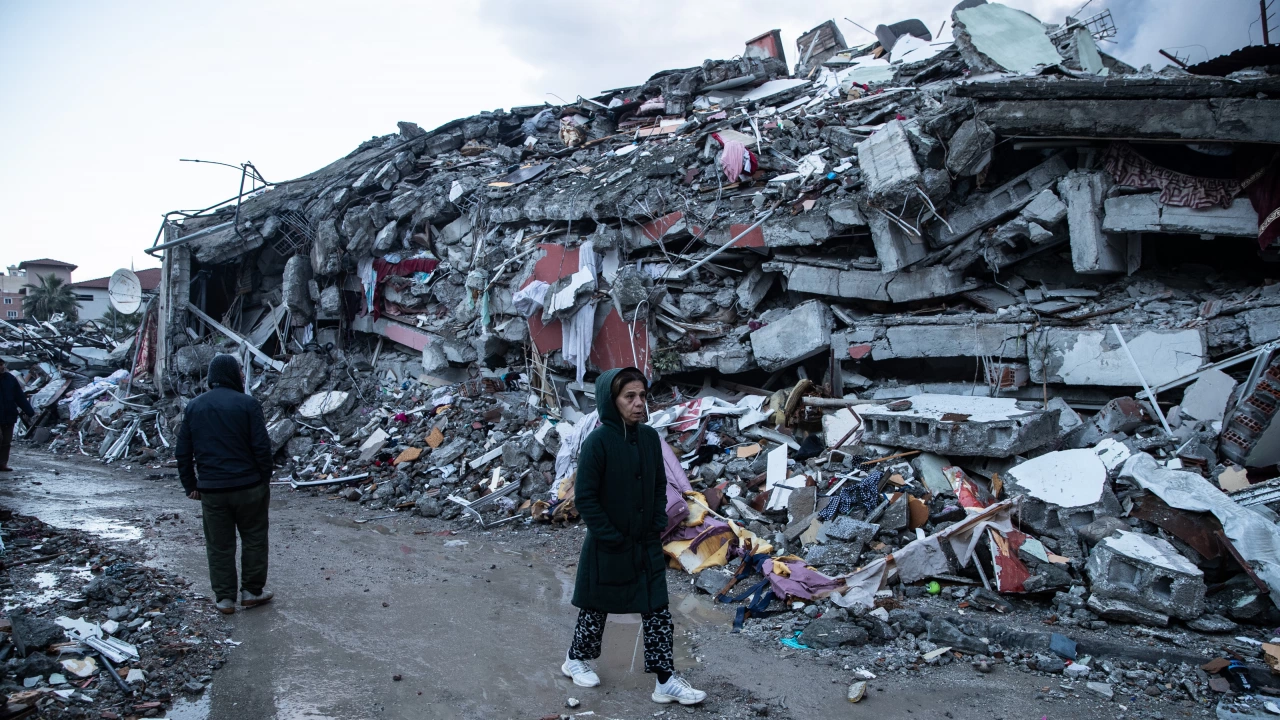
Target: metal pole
point(1150, 395)
point(724, 247)
point(1266, 38)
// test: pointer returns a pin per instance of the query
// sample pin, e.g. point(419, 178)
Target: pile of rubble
point(988, 316)
point(94, 632)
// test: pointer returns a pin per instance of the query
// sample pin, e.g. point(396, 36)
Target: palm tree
point(50, 297)
point(119, 325)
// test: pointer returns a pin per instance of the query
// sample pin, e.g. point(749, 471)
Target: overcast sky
point(100, 100)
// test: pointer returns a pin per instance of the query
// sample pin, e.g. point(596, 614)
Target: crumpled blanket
point(1127, 167)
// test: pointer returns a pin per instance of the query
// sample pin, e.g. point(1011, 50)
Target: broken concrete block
point(696, 306)
point(992, 36)
point(1146, 571)
point(936, 341)
point(294, 287)
point(803, 333)
point(1072, 356)
point(453, 233)
point(1094, 532)
point(1062, 489)
point(1207, 397)
point(960, 425)
point(1068, 418)
point(846, 216)
point(326, 250)
point(1263, 324)
point(931, 282)
point(713, 579)
point(888, 165)
point(325, 403)
point(726, 355)
point(969, 151)
point(850, 530)
point(304, 374)
point(1067, 478)
point(823, 633)
point(281, 432)
point(1145, 213)
point(373, 444)
point(1045, 209)
point(897, 516)
point(984, 210)
point(928, 467)
point(754, 287)
point(895, 247)
point(1127, 612)
point(1092, 250)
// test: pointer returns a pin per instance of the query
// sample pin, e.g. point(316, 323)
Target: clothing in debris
point(620, 493)
point(1129, 168)
point(404, 268)
point(1263, 188)
point(12, 401)
point(223, 442)
point(658, 635)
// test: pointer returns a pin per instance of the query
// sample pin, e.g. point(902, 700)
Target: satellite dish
point(125, 291)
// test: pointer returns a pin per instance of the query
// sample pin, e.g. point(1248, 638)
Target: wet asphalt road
point(475, 630)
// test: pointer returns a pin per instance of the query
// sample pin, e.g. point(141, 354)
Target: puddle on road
point(197, 709)
point(104, 528)
point(49, 586)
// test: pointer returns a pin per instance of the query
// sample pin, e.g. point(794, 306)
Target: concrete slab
point(803, 333)
point(1263, 324)
point(1207, 397)
point(1092, 250)
point(932, 282)
point(1146, 571)
point(960, 425)
point(895, 247)
point(888, 165)
point(924, 341)
point(1067, 478)
point(1145, 213)
point(985, 210)
point(928, 467)
point(1011, 39)
point(753, 288)
point(1072, 356)
point(727, 356)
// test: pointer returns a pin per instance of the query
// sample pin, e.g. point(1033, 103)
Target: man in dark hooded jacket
point(12, 402)
point(224, 461)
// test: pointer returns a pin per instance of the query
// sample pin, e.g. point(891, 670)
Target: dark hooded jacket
point(223, 443)
point(12, 399)
point(621, 494)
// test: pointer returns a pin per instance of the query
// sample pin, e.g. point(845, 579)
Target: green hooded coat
point(621, 495)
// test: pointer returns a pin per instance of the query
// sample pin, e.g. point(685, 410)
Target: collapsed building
point(1000, 311)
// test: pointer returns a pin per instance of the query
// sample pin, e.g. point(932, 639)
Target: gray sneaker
point(248, 599)
point(677, 690)
point(226, 606)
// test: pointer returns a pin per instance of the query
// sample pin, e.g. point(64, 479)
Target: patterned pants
point(658, 635)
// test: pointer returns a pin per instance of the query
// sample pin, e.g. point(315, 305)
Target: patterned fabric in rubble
point(1129, 168)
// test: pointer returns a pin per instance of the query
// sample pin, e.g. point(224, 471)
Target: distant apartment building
point(93, 298)
point(14, 284)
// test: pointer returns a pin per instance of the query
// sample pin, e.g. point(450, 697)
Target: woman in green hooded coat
point(620, 492)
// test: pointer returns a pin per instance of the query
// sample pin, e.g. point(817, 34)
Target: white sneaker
point(248, 599)
point(581, 672)
point(226, 606)
point(677, 689)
